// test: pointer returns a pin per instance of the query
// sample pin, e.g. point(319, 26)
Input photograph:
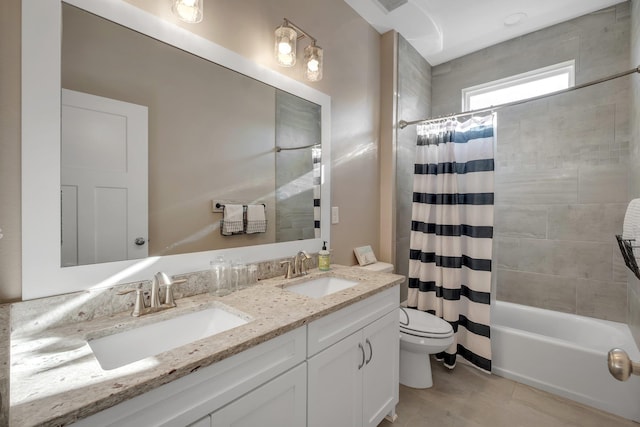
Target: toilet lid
point(423, 324)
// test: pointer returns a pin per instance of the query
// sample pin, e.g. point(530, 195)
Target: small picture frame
point(365, 255)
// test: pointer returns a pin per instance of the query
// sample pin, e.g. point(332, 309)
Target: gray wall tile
point(603, 184)
point(297, 125)
point(521, 221)
point(536, 187)
point(604, 300)
point(620, 270)
point(593, 222)
point(539, 290)
point(584, 260)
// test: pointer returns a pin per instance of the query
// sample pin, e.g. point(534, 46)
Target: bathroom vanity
point(298, 360)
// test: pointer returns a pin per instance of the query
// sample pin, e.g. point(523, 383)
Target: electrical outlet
point(335, 215)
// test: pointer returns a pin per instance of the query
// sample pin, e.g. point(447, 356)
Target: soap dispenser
point(324, 258)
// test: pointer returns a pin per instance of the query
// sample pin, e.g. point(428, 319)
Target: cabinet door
point(335, 384)
point(380, 381)
point(278, 403)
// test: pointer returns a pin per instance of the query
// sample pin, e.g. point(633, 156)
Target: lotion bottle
point(324, 258)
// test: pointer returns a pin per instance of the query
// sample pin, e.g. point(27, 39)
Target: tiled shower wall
point(634, 172)
point(297, 125)
point(561, 165)
point(414, 95)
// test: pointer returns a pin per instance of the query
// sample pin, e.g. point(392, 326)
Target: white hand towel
point(232, 216)
point(256, 219)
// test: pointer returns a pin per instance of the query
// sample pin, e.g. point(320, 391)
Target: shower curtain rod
point(279, 149)
point(403, 124)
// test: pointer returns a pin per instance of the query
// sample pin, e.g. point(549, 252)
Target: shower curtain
point(452, 231)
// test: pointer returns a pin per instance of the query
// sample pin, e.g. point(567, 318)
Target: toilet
point(421, 334)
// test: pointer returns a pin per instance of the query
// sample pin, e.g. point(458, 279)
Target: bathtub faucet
point(620, 366)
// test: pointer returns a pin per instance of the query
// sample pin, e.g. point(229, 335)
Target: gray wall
point(634, 172)
point(414, 95)
point(561, 166)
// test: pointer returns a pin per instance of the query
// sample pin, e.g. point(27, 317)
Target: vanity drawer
point(332, 328)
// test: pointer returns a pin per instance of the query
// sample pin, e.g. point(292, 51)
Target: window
point(522, 86)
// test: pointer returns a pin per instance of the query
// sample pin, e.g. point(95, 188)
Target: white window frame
point(564, 68)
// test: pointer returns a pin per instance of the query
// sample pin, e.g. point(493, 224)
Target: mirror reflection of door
point(103, 179)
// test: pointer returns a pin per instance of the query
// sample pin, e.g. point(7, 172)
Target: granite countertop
point(56, 380)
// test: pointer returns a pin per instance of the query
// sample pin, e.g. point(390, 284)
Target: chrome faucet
point(159, 280)
point(297, 266)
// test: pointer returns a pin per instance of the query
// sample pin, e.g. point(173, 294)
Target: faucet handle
point(138, 307)
point(289, 272)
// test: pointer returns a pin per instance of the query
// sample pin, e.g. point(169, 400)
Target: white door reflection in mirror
point(103, 179)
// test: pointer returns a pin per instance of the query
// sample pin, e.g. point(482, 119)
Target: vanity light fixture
point(286, 37)
point(188, 10)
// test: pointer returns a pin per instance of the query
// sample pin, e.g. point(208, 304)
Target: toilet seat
point(422, 324)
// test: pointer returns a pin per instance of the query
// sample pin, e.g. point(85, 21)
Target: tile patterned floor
point(466, 397)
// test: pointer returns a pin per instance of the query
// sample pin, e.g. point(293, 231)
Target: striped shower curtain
point(452, 231)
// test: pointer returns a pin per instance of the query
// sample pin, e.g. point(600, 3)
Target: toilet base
point(415, 370)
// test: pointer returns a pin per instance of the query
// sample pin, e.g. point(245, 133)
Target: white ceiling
point(442, 30)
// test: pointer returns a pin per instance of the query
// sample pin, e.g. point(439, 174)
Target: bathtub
point(564, 354)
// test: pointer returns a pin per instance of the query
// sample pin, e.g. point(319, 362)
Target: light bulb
point(188, 10)
point(313, 65)
point(284, 48)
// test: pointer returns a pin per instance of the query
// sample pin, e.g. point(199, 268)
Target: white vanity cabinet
point(353, 363)
point(191, 399)
point(278, 403)
point(339, 370)
point(282, 402)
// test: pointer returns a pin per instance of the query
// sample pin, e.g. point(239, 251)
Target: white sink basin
point(114, 351)
point(322, 286)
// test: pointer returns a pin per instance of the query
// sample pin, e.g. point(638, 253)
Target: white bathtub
point(564, 354)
